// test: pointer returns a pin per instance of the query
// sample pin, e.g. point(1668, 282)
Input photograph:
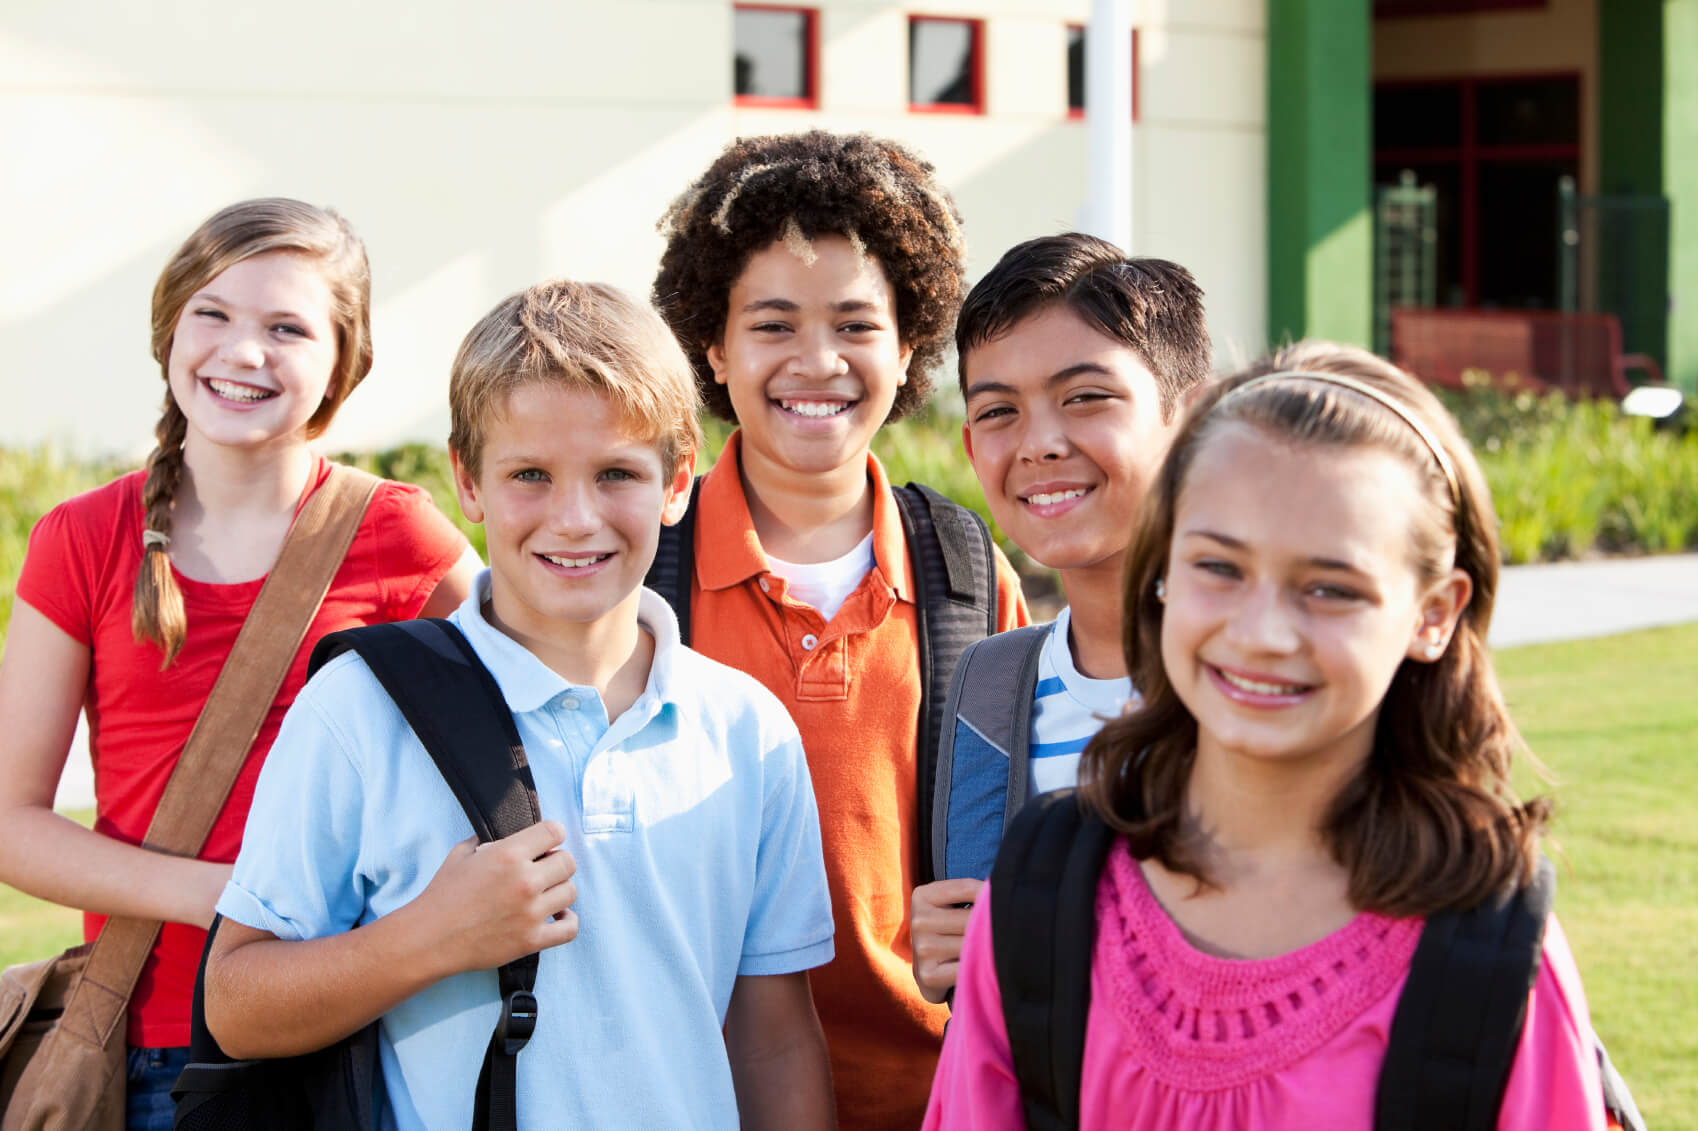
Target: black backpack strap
point(458, 713)
point(1458, 1022)
point(674, 565)
point(1044, 928)
point(992, 694)
point(955, 581)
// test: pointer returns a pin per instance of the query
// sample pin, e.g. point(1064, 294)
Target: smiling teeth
point(1045, 499)
point(1256, 687)
point(235, 391)
point(576, 563)
point(815, 408)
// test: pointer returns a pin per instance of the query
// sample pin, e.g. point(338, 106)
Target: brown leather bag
point(62, 1047)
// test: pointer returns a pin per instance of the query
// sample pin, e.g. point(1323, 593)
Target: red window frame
point(1077, 113)
point(810, 61)
point(975, 68)
point(1470, 153)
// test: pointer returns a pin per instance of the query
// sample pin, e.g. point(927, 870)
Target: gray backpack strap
point(955, 604)
point(990, 698)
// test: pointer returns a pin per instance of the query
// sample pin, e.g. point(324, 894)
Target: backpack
point(455, 708)
point(955, 566)
point(984, 759)
point(1453, 1037)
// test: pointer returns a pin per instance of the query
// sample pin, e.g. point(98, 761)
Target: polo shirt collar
point(528, 684)
point(728, 551)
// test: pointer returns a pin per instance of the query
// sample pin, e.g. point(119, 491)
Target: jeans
point(147, 1098)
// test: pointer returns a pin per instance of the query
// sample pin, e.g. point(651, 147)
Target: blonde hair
point(580, 336)
point(241, 231)
point(1431, 821)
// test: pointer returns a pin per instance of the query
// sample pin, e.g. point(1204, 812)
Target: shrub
point(1571, 478)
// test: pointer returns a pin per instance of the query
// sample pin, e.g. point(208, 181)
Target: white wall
point(478, 149)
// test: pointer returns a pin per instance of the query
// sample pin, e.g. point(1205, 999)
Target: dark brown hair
point(1431, 821)
point(579, 336)
point(1152, 306)
point(241, 231)
point(874, 192)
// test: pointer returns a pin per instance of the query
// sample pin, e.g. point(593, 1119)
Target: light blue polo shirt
point(692, 820)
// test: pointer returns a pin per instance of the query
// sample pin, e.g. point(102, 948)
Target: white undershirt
point(826, 585)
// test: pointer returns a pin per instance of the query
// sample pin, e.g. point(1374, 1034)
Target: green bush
point(1568, 478)
point(31, 483)
point(1571, 478)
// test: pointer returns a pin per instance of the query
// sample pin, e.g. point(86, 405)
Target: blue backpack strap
point(984, 760)
point(1458, 1021)
point(459, 715)
point(955, 574)
point(1044, 929)
point(674, 565)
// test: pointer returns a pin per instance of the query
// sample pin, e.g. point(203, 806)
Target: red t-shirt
point(80, 573)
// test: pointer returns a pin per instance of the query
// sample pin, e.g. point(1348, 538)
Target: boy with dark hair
point(680, 825)
point(1073, 360)
point(813, 279)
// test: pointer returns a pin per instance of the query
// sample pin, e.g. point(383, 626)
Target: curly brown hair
point(1431, 822)
point(876, 193)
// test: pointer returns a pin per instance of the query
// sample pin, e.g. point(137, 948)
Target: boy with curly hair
point(813, 281)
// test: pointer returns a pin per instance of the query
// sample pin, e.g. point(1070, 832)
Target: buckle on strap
point(517, 1022)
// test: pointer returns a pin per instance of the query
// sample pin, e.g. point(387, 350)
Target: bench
point(1574, 353)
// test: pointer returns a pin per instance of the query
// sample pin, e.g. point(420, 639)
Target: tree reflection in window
point(772, 49)
point(943, 62)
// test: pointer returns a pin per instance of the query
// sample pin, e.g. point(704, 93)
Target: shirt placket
point(607, 796)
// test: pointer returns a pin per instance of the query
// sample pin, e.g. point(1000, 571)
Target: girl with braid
point(131, 595)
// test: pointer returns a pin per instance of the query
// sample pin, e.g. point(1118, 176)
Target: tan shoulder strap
point(222, 736)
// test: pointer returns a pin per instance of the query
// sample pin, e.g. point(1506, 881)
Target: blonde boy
point(675, 888)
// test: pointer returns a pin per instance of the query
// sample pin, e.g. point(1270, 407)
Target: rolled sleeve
point(298, 872)
point(790, 926)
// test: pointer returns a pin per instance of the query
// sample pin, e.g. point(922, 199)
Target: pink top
point(1181, 1039)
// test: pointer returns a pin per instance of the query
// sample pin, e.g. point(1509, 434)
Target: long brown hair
point(1431, 821)
point(241, 231)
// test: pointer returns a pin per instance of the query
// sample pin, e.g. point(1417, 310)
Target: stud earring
point(1161, 590)
point(1435, 649)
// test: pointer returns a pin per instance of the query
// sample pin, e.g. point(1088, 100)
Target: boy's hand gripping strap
point(218, 745)
point(458, 713)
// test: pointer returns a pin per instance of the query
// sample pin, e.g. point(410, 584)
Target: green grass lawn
point(1615, 722)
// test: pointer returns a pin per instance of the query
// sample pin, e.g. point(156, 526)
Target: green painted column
point(1680, 184)
point(1630, 164)
point(1320, 234)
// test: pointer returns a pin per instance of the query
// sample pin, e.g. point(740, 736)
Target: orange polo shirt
point(853, 686)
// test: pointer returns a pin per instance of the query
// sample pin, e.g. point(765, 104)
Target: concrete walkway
point(1536, 604)
point(1573, 600)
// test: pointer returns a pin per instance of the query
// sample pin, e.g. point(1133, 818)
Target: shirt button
point(809, 641)
point(570, 702)
point(766, 586)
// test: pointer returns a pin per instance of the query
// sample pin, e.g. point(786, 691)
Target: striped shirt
point(1067, 709)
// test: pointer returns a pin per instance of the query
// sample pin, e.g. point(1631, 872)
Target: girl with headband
point(1321, 761)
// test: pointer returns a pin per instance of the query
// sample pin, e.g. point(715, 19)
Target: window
point(1076, 71)
point(945, 65)
point(777, 56)
point(1493, 148)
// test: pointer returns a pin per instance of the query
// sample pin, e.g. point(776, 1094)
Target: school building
point(1317, 163)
